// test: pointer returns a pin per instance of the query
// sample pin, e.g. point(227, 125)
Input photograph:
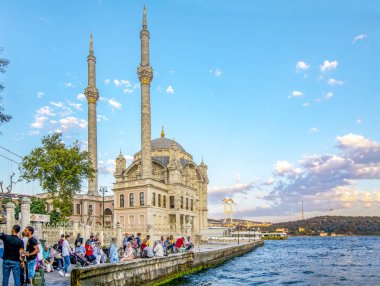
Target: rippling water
point(299, 261)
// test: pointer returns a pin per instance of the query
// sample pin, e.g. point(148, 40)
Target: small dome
point(165, 143)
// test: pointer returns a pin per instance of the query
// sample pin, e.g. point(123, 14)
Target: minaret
point(92, 96)
point(145, 73)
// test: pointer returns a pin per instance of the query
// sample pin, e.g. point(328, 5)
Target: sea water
point(351, 260)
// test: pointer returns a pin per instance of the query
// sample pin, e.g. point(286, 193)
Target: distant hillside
point(363, 225)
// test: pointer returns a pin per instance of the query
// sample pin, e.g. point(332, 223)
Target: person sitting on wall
point(128, 254)
point(143, 245)
point(79, 248)
point(89, 251)
point(179, 244)
point(158, 249)
point(147, 252)
point(114, 256)
point(189, 244)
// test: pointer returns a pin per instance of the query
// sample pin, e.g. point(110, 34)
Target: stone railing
point(153, 270)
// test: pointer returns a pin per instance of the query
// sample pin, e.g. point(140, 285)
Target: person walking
point(31, 253)
point(23, 270)
point(13, 246)
point(66, 256)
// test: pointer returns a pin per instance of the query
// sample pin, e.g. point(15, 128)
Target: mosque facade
point(163, 191)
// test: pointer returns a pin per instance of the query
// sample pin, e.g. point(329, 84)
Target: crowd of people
point(23, 253)
point(136, 247)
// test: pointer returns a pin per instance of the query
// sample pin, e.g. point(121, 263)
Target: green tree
point(38, 206)
point(59, 170)
point(3, 67)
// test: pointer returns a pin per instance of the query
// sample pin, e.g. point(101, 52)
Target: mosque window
point(90, 210)
point(154, 199)
point(164, 202)
point(159, 200)
point(187, 203)
point(78, 208)
point(121, 201)
point(191, 204)
point(142, 199)
point(131, 200)
point(181, 202)
point(171, 198)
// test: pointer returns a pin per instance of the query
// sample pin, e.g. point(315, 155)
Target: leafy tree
point(3, 67)
point(59, 170)
point(38, 206)
point(54, 216)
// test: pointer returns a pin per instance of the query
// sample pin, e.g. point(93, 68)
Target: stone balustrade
point(153, 270)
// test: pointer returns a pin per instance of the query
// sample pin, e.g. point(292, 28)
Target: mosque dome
point(165, 143)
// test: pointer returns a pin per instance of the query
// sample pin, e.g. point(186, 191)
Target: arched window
point(131, 200)
point(78, 208)
point(172, 205)
point(142, 200)
point(90, 210)
point(191, 204)
point(131, 220)
point(159, 200)
point(121, 201)
point(142, 220)
point(164, 202)
point(187, 203)
point(181, 202)
point(154, 199)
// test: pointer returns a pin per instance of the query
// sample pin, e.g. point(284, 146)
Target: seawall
point(156, 270)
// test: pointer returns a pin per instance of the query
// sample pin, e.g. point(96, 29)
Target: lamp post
point(103, 190)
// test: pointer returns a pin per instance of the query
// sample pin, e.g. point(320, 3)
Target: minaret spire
point(144, 24)
point(92, 95)
point(145, 73)
point(91, 45)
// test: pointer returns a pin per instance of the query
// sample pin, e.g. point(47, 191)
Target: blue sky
point(264, 91)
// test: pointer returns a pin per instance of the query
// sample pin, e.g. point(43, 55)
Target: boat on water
point(274, 235)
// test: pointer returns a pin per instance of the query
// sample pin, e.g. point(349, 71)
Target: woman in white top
point(158, 249)
point(128, 254)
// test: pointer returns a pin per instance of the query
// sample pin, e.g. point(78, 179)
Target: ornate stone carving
point(145, 74)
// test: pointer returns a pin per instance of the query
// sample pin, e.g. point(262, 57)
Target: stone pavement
point(52, 278)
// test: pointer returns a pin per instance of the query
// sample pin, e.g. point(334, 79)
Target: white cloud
point(355, 141)
point(359, 121)
point(101, 117)
point(334, 82)
point(296, 93)
point(107, 81)
point(314, 130)
point(120, 82)
point(302, 66)
point(127, 90)
point(39, 121)
point(77, 106)
point(81, 97)
point(69, 123)
point(45, 110)
point(327, 65)
point(68, 84)
point(359, 38)
point(218, 72)
point(283, 167)
point(329, 95)
point(170, 90)
point(40, 94)
point(306, 104)
point(57, 104)
point(114, 103)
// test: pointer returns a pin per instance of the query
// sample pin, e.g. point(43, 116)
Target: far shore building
point(163, 191)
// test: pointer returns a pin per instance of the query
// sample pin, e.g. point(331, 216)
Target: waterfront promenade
point(54, 279)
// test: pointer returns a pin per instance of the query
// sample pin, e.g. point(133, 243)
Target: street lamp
point(103, 190)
